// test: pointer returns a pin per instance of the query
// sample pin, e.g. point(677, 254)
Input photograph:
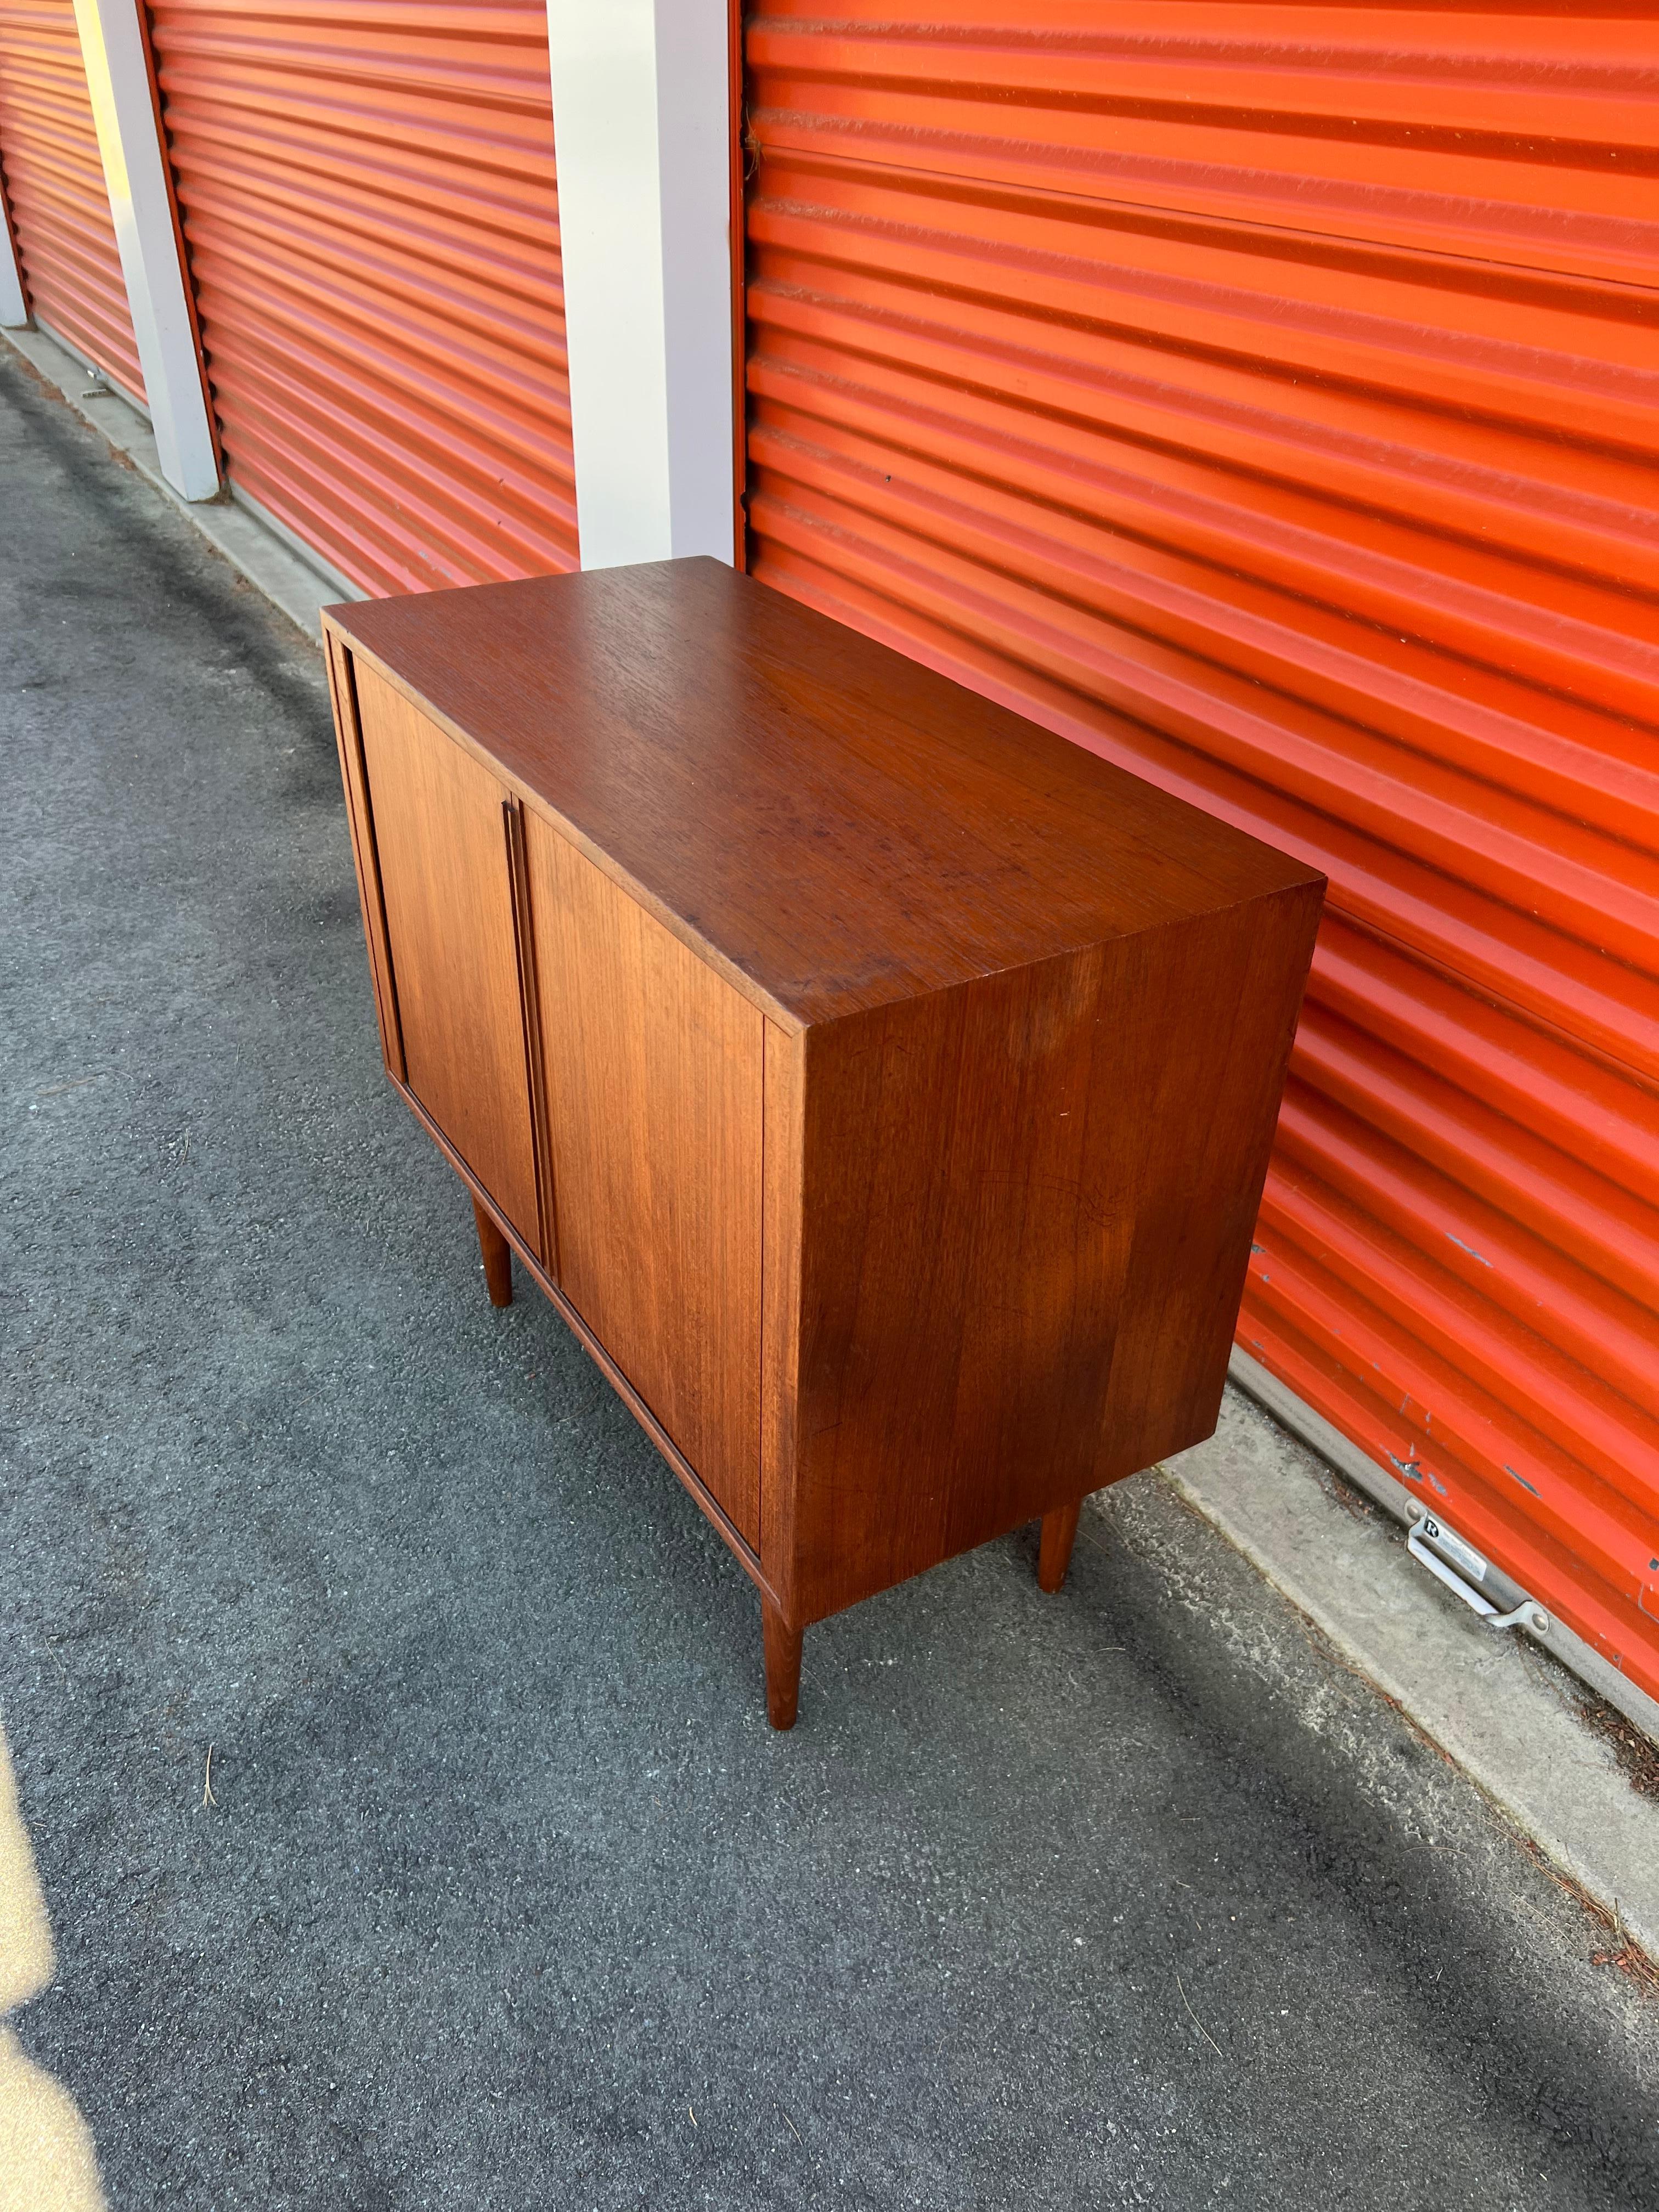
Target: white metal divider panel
point(14, 307)
point(135, 173)
point(641, 103)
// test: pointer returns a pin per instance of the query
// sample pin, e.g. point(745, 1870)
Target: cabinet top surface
point(837, 823)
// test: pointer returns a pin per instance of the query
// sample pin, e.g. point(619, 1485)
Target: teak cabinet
point(881, 1086)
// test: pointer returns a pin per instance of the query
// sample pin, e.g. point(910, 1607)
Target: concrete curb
point(251, 541)
point(1519, 1726)
point(1330, 1444)
point(1512, 1721)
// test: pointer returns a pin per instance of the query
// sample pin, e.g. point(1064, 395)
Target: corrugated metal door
point(1268, 398)
point(369, 212)
point(54, 181)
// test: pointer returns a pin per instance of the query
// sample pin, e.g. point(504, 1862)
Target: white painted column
point(642, 135)
point(129, 139)
point(13, 308)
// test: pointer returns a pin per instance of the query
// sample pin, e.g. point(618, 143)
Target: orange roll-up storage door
point(1268, 398)
point(367, 200)
point(54, 185)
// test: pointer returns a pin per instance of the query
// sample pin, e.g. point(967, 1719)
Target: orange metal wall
point(371, 220)
point(54, 182)
point(1268, 398)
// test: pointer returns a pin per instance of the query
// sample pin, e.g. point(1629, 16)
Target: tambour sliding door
point(602, 1082)
point(440, 838)
point(653, 1087)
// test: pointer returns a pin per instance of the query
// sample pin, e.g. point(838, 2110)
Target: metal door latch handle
point(1455, 1553)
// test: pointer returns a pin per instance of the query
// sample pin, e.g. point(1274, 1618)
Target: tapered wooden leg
point(1059, 1530)
point(497, 1258)
point(782, 1666)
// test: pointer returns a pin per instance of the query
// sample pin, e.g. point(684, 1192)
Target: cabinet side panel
point(354, 776)
point(441, 837)
point(654, 1071)
point(1235, 985)
point(1027, 1206)
point(962, 1260)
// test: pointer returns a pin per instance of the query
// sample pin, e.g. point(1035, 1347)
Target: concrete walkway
point(502, 1893)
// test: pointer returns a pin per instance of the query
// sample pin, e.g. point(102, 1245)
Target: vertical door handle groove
point(518, 871)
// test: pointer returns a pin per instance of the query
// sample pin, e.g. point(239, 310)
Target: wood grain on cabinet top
point(835, 825)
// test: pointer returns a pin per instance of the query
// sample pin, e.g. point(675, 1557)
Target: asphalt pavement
point(498, 1891)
